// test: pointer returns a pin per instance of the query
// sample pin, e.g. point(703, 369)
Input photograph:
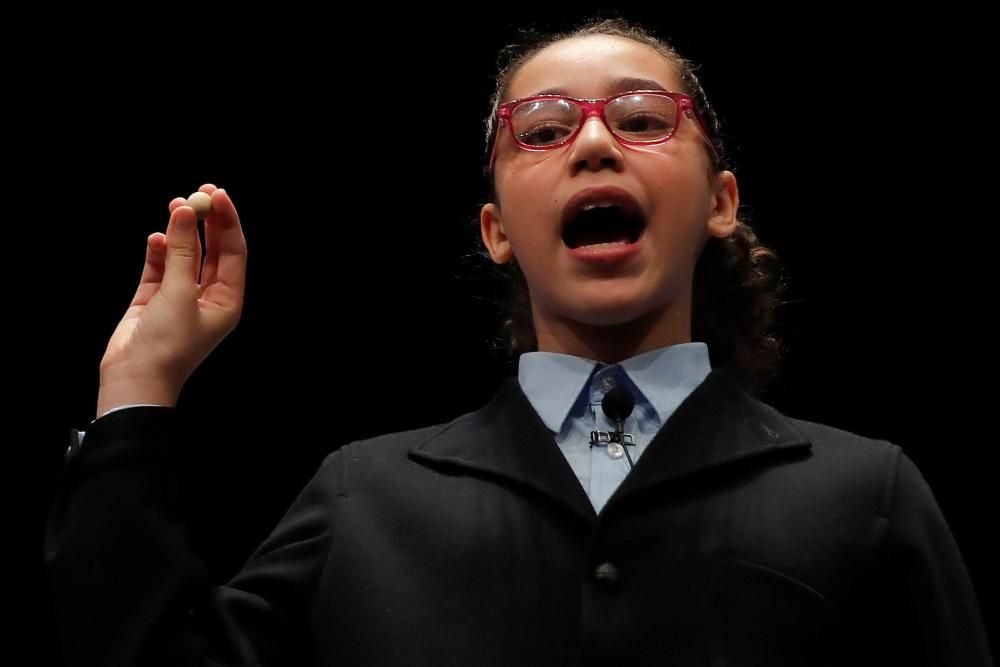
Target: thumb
point(183, 251)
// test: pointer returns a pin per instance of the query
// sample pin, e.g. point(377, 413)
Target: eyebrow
point(618, 85)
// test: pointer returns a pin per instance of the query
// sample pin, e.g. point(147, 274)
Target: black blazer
point(741, 537)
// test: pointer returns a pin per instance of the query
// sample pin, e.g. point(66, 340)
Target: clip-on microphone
point(617, 404)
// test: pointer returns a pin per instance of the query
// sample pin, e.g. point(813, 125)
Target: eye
point(543, 135)
point(644, 123)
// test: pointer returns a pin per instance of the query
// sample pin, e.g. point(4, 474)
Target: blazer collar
point(716, 425)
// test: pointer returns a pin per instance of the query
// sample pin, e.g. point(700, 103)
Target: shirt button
point(615, 450)
point(607, 574)
point(608, 383)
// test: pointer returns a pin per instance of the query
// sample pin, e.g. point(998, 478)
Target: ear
point(725, 203)
point(494, 236)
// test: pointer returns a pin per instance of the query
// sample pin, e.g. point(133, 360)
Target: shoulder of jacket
point(397, 441)
point(826, 435)
point(852, 455)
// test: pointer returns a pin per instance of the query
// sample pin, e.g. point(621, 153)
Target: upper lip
point(605, 193)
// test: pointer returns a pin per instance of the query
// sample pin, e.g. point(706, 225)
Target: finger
point(183, 201)
point(152, 270)
point(224, 275)
point(183, 251)
point(175, 202)
point(156, 252)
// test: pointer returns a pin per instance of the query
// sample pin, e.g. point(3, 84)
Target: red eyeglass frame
point(595, 107)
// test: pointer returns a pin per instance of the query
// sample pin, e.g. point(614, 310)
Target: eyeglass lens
point(550, 122)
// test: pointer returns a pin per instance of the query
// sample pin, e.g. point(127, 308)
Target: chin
point(607, 304)
point(611, 312)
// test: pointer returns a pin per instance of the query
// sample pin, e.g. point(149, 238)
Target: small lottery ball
point(201, 202)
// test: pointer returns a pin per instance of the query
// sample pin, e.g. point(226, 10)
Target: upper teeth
point(601, 204)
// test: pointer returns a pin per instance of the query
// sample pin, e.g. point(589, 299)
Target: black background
point(859, 150)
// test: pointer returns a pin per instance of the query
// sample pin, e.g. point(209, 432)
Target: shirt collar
point(552, 381)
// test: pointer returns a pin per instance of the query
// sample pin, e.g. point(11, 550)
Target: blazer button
point(607, 574)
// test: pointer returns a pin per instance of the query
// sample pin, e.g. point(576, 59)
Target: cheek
point(529, 185)
point(676, 239)
point(682, 202)
point(528, 242)
point(531, 221)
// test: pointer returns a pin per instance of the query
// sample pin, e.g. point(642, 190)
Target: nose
point(595, 147)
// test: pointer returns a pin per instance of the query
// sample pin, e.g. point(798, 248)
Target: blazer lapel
point(506, 438)
point(717, 424)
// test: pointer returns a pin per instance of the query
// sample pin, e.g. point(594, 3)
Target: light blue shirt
point(566, 392)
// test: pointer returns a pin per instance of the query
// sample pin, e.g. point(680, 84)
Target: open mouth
point(602, 224)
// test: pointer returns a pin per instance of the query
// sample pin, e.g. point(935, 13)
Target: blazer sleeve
point(127, 588)
point(930, 614)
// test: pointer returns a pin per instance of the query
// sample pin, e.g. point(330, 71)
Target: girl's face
point(573, 299)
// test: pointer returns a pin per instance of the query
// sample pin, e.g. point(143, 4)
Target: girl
point(624, 499)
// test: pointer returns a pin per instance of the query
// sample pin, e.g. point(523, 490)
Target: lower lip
point(606, 254)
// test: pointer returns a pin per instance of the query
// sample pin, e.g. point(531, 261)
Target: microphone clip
point(607, 437)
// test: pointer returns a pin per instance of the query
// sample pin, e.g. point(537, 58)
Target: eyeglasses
point(638, 117)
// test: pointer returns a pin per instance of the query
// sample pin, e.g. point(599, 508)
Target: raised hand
point(181, 310)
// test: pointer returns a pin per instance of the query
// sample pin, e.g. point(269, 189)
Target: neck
point(613, 343)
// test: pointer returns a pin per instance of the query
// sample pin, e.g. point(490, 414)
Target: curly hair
point(737, 280)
